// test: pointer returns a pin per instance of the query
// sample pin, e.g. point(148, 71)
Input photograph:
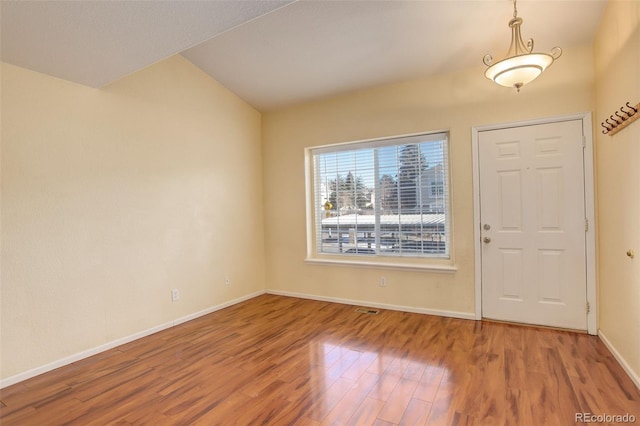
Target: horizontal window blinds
point(388, 197)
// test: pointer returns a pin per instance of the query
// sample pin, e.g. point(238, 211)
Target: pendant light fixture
point(519, 66)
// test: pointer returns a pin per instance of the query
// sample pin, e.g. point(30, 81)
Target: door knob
point(486, 240)
point(486, 226)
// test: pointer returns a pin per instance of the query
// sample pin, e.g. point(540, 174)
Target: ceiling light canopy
point(519, 66)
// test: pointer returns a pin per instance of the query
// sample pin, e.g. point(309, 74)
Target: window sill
point(384, 265)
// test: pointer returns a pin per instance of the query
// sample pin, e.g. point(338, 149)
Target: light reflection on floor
point(347, 381)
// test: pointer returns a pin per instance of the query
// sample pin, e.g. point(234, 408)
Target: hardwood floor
point(283, 361)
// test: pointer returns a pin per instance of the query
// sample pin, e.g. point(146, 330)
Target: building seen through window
point(385, 197)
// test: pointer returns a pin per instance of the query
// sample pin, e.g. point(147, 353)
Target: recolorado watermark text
point(604, 418)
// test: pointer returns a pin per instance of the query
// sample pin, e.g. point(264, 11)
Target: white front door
point(532, 212)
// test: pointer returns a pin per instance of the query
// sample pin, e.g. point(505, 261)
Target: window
point(437, 187)
point(381, 198)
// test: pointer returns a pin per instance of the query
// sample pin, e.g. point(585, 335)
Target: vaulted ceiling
point(274, 53)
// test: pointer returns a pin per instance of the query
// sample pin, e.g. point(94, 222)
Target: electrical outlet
point(383, 282)
point(175, 295)
point(227, 281)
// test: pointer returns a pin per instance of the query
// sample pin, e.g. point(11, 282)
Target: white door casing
point(533, 203)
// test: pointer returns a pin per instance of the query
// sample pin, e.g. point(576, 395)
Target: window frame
point(442, 263)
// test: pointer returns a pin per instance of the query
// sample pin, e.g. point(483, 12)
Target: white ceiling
point(274, 53)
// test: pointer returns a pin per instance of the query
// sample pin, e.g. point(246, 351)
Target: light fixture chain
point(515, 9)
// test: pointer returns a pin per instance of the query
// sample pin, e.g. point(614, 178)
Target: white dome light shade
point(520, 66)
point(519, 70)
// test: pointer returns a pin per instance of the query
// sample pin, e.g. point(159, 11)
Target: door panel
point(533, 213)
point(510, 196)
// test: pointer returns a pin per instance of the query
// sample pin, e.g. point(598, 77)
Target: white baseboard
point(438, 312)
point(110, 345)
point(626, 367)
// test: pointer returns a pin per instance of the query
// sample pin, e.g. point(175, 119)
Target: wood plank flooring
point(285, 361)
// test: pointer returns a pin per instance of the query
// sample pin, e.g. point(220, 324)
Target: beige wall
point(112, 197)
point(617, 59)
point(455, 102)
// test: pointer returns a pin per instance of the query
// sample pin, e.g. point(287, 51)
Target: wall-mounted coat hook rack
point(620, 121)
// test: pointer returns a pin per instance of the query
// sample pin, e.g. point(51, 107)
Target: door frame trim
point(589, 188)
